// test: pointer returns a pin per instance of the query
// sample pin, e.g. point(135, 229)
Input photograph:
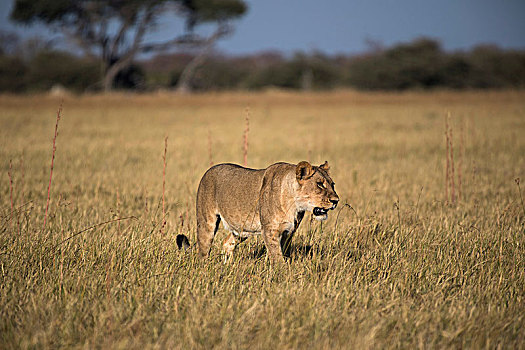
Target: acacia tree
point(114, 31)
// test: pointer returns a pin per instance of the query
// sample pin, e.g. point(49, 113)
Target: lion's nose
point(334, 202)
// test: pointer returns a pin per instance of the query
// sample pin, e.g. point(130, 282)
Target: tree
point(413, 65)
point(114, 30)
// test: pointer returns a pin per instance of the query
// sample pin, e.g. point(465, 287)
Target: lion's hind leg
point(207, 227)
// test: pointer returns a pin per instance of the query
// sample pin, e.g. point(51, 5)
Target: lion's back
point(230, 188)
point(234, 191)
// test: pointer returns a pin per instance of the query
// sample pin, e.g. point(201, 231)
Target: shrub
point(12, 74)
point(49, 68)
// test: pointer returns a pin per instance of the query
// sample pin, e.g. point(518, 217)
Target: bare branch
point(77, 39)
point(119, 37)
point(207, 45)
point(102, 34)
point(127, 57)
point(139, 35)
point(189, 39)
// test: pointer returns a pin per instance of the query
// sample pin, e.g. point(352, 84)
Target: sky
point(348, 26)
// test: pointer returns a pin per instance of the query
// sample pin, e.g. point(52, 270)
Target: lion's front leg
point(272, 240)
point(229, 244)
point(286, 237)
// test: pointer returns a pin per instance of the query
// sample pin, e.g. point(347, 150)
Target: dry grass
point(402, 269)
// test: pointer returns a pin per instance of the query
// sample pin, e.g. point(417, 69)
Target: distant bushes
point(45, 70)
point(301, 72)
point(49, 68)
point(13, 74)
point(215, 74)
point(420, 64)
point(416, 65)
point(252, 72)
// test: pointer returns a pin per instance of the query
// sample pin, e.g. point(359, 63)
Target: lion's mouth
point(320, 211)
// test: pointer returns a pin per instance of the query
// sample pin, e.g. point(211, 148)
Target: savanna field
point(405, 263)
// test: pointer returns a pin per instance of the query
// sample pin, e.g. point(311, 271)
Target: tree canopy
point(114, 30)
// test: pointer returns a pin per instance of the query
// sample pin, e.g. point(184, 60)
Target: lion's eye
point(321, 185)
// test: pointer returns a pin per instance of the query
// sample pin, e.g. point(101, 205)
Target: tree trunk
point(183, 85)
point(112, 71)
point(108, 80)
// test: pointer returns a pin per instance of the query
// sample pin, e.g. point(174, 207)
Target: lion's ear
point(303, 171)
point(325, 166)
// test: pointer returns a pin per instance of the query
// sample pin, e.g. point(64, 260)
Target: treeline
point(46, 70)
point(421, 64)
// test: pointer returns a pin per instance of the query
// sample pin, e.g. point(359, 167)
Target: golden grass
point(402, 269)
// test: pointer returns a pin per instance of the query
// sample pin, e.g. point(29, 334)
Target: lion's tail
point(183, 242)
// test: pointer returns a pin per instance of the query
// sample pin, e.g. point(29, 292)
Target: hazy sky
point(344, 26)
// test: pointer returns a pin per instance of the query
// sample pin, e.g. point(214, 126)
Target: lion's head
point(316, 192)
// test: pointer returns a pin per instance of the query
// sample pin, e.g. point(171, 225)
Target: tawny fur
point(270, 201)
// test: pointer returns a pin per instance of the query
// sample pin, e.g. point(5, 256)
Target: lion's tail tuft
point(182, 242)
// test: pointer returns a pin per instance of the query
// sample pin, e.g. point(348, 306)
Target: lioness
point(270, 201)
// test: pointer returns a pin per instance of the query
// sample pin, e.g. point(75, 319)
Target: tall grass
point(52, 165)
point(394, 267)
point(164, 184)
point(245, 137)
point(11, 186)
